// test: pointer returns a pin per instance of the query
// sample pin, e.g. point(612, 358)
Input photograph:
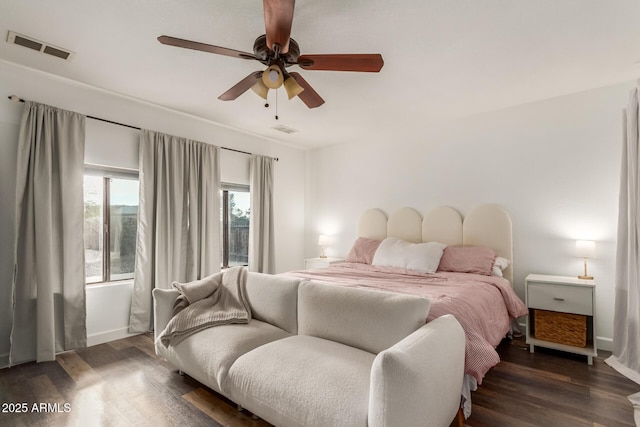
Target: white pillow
point(498, 265)
point(421, 257)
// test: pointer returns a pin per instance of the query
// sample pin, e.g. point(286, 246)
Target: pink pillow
point(363, 250)
point(470, 259)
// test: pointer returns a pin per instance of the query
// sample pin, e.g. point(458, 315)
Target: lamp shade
point(292, 87)
point(272, 77)
point(261, 89)
point(585, 248)
point(323, 240)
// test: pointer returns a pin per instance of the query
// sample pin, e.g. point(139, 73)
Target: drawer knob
point(558, 299)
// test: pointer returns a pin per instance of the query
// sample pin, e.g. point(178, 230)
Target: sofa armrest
point(163, 300)
point(417, 382)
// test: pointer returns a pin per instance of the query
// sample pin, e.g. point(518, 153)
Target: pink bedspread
point(484, 305)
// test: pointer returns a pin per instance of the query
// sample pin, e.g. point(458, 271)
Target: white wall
point(108, 312)
point(115, 144)
point(553, 165)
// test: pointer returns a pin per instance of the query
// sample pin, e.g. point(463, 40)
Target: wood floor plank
point(44, 391)
point(170, 410)
point(226, 415)
point(512, 368)
point(145, 343)
point(487, 417)
point(119, 345)
point(526, 410)
point(125, 413)
point(610, 409)
point(141, 341)
point(77, 368)
point(100, 355)
point(158, 373)
point(49, 402)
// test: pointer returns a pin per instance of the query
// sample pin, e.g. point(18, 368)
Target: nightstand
point(561, 314)
point(311, 263)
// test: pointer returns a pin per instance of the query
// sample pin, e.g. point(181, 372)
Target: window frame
point(108, 174)
point(225, 188)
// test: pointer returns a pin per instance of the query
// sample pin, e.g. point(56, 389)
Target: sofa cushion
point(366, 319)
point(304, 381)
point(208, 354)
point(273, 299)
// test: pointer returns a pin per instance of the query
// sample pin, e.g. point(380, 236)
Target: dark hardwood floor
point(123, 383)
point(550, 388)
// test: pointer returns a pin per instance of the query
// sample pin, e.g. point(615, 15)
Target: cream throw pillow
point(421, 257)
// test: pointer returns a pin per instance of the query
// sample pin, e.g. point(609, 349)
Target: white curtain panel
point(626, 330)
point(49, 313)
point(261, 241)
point(178, 218)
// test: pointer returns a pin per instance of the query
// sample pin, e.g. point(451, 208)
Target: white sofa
point(322, 355)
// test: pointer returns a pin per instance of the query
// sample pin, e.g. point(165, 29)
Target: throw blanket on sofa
point(214, 300)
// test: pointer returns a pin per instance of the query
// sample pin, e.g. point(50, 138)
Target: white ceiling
point(443, 59)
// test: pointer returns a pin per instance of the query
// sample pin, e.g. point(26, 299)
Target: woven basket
point(561, 328)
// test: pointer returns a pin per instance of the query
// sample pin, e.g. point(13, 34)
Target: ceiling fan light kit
point(278, 51)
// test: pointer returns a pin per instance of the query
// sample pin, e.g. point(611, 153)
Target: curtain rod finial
point(15, 98)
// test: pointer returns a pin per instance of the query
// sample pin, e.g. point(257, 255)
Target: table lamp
point(323, 241)
point(585, 249)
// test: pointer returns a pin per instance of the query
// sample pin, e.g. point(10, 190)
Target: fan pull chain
point(266, 104)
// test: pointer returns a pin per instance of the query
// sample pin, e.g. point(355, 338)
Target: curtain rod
point(15, 98)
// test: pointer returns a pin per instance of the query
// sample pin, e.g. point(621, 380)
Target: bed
point(485, 305)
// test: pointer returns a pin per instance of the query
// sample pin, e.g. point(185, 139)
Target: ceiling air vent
point(285, 129)
point(34, 44)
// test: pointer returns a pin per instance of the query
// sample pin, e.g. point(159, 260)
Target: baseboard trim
point(107, 336)
point(604, 343)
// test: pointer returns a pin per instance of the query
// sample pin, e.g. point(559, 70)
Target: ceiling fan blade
point(241, 87)
point(278, 17)
point(366, 62)
point(188, 44)
point(309, 96)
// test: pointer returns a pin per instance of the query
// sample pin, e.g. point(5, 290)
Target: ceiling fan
point(278, 51)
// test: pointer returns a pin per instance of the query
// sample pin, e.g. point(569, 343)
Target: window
point(110, 226)
point(235, 214)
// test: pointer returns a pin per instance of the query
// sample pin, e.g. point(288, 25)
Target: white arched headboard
point(373, 224)
point(484, 225)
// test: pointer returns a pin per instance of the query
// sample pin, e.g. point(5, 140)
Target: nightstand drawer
point(565, 299)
